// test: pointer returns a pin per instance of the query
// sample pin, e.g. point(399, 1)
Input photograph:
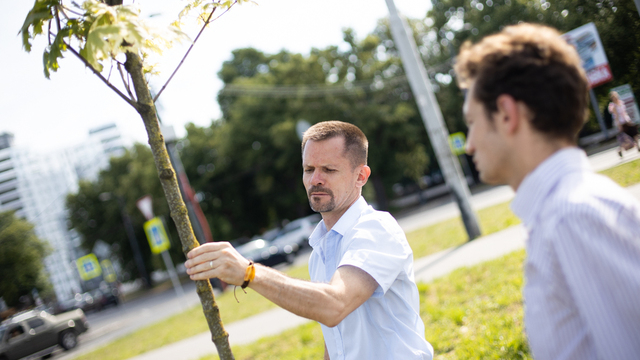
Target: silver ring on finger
point(211, 264)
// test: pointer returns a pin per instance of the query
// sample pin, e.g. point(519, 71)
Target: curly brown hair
point(535, 65)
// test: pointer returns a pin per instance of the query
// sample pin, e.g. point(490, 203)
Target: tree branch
point(191, 47)
point(72, 11)
point(86, 63)
point(125, 82)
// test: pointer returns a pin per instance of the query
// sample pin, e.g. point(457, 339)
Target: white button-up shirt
point(582, 290)
point(387, 325)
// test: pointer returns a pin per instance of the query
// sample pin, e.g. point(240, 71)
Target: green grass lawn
point(472, 313)
point(626, 174)
point(424, 241)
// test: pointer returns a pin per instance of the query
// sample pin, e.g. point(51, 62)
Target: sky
point(48, 115)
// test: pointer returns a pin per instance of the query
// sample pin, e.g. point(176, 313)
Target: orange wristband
point(249, 274)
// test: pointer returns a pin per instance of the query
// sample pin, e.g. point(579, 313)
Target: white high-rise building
point(36, 186)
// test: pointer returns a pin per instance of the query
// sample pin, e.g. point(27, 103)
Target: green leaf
point(36, 18)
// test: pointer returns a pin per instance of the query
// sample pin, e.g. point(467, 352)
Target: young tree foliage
point(105, 32)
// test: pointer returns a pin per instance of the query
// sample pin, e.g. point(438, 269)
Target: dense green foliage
point(452, 22)
point(21, 260)
point(248, 164)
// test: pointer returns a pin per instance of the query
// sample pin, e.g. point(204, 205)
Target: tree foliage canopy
point(21, 260)
point(452, 22)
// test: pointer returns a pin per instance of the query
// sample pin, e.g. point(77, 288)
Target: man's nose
point(317, 178)
point(469, 148)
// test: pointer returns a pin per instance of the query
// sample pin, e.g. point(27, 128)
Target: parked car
point(37, 332)
point(295, 235)
point(263, 252)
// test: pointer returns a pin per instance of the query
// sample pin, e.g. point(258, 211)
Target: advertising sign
point(594, 60)
point(626, 95)
point(157, 236)
point(88, 267)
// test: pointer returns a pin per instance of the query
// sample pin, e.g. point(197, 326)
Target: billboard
point(594, 60)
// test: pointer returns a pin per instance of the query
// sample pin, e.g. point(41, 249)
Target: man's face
point(329, 176)
point(484, 142)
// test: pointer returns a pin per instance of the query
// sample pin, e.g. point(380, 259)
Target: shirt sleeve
point(381, 251)
point(600, 258)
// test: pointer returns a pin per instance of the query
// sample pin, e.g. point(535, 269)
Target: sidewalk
point(426, 269)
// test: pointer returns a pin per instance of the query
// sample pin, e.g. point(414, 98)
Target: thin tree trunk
point(146, 109)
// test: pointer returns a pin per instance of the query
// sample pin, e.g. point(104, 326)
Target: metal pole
point(638, 6)
point(131, 235)
point(172, 274)
point(198, 220)
point(596, 110)
point(432, 118)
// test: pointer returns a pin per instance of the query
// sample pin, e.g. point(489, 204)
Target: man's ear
point(509, 115)
point(364, 171)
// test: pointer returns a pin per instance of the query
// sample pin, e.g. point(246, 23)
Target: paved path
point(426, 269)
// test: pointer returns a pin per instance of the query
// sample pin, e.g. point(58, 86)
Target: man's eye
point(308, 170)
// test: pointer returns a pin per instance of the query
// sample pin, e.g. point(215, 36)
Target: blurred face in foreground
point(485, 142)
point(332, 182)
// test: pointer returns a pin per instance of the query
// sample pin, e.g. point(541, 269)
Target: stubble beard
point(317, 205)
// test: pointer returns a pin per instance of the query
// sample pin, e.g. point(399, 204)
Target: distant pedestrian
point(628, 131)
point(362, 290)
point(526, 103)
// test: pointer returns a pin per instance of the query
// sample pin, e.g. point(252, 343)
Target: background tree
point(264, 98)
point(21, 260)
point(105, 32)
point(451, 22)
point(129, 177)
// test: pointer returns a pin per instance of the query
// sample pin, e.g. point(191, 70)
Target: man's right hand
point(216, 260)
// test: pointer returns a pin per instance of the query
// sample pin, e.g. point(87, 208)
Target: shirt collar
point(346, 222)
point(538, 184)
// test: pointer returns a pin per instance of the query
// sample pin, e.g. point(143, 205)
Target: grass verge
point(472, 313)
point(626, 174)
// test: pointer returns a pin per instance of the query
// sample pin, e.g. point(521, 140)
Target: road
point(115, 322)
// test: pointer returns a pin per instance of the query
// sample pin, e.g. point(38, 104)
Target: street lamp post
point(432, 118)
point(131, 235)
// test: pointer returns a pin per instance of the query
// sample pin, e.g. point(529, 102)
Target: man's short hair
point(535, 65)
point(356, 145)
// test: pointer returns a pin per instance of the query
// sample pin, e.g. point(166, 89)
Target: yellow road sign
point(88, 267)
point(157, 236)
point(109, 273)
point(457, 141)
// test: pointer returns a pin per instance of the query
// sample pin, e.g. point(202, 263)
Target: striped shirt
point(582, 290)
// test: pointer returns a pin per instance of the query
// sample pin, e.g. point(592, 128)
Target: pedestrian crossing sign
point(157, 236)
point(457, 141)
point(88, 267)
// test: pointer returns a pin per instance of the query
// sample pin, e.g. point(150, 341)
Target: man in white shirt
point(362, 291)
point(526, 102)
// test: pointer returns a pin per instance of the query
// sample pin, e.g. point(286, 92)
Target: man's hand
point(216, 260)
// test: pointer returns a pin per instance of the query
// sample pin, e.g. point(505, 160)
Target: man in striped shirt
point(525, 104)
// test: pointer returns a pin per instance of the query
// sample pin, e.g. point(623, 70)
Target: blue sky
point(46, 115)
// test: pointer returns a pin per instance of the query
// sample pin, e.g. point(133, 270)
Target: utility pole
point(432, 118)
point(131, 235)
point(198, 220)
